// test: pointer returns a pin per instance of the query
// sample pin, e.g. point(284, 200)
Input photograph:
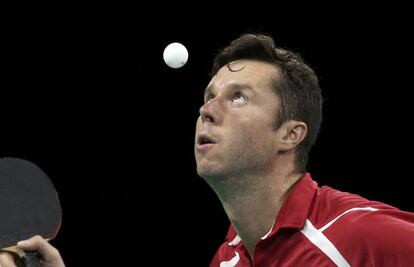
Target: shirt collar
point(297, 206)
point(294, 210)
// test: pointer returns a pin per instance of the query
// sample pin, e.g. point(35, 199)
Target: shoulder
point(367, 233)
point(376, 227)
point(375, 238)
point(330, 203)
point(383, 228)
point(354, 214)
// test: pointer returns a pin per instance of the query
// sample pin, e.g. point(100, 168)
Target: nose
point(209, 112)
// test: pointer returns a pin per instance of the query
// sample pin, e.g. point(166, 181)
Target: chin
point(202, 171)
point(208, 173)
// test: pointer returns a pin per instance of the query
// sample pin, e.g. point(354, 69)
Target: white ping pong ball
point(175, 55)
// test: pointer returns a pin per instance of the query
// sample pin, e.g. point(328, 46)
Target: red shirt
point(321, 226)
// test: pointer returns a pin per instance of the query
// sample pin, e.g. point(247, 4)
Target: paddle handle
point(31, 259)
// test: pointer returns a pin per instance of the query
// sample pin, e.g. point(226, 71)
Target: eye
point(208, 98)
point(238, 98)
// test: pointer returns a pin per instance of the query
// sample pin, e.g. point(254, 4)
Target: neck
point(252, 202)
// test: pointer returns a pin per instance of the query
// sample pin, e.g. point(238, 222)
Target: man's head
point(261, 101)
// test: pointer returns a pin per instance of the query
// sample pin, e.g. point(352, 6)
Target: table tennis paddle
point(29, 205)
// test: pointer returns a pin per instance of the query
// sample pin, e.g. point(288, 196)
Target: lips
point(205, 141)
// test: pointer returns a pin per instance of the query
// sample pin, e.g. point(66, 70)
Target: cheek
point(198, 124)
point(253, 135)
point(241, 136)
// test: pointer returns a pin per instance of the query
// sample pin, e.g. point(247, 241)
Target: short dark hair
point(298, 87)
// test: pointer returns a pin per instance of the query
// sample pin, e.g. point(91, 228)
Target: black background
point(85, 95)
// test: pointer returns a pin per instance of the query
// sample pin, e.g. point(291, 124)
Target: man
point(50, 256)
point(261, 115)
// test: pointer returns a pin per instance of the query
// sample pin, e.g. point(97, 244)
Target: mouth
point(205, 141)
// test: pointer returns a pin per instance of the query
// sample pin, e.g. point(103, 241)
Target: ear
point(293, 132)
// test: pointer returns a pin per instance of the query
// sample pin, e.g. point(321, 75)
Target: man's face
point(234, 133)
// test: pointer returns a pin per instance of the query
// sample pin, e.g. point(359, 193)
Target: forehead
point(254, 73)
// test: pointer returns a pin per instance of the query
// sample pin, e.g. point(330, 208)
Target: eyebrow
point(233, 86)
